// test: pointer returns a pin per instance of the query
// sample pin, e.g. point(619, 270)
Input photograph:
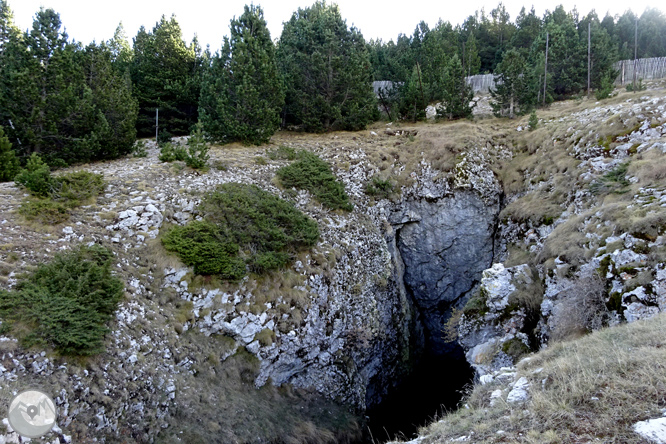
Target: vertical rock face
point(445, 245)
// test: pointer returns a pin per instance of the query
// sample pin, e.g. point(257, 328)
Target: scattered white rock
point(654, 430)
point(519, 392)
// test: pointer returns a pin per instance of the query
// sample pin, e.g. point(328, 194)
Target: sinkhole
point(442, 248)
point(434, 386)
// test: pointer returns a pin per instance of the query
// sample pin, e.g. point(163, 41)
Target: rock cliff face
point(445, 244)
point(593, 266)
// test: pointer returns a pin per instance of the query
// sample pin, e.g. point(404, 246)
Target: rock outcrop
point(445, 244)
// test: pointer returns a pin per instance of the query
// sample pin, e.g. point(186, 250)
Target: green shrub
point(139, 149)
point(638, 87)
point(204, 246)
point(476, 305)
point(170, 152)
point(314, 175)
point(75, 188)
point(36, 177)
point(197, 149)
point(65, 303)
point(379, 187)
point(282, 153)
point(164, 137)
point(515, 348)
point(614, 181)
point(55, 195)
point(9, 163)
point(44, 211)
point(606, 87)
point(220, 165)
point(243, 227)
point(533, 123)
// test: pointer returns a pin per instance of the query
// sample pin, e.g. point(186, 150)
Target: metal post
point(545, 75)
point(157, 123)
point(14, 129)
point(589, 56)
point(635, 53)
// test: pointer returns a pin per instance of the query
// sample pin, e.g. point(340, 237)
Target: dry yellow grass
point(592, 389)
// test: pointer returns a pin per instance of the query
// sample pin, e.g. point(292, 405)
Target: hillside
point(298, 354)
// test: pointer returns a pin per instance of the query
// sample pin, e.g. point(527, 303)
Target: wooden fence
point(646, 69)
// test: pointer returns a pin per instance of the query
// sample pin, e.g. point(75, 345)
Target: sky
point(87, 20)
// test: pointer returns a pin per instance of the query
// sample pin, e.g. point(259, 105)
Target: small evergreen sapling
point(36, 177)
point(606, 88)
point(533, 122)
point(9, 164)
point(197, 149)
point(170, 152)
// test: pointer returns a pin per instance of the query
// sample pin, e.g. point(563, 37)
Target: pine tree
point(11, 56)
point(326, 70)
point(439, 44)
point(9, 164)
point(116, 109)
point(8, 30)
point(414, 96)
point(528, 28)
point(241, 95)
point(511, 80)
point(121, 51)
point(567, 56)
point(165, 74)
point(457, 93)
point(472, 59)
point(60, 101)
point(603, 50)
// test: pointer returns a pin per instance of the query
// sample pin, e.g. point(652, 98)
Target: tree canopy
point(61, 99)
point(166, 74)
point(326, 70)
point(241, 94)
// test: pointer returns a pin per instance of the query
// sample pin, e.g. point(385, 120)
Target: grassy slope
point(596, 387)
point(592, 388)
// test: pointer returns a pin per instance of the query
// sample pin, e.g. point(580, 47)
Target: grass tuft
point(590, 389)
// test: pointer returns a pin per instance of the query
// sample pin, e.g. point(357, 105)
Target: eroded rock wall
point(445, 245)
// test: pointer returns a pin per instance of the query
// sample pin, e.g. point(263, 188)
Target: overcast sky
point(87, 20)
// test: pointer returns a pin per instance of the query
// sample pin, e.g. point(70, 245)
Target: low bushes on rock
point(379, 187)
point(207, 248)
point(53, 197)
point(314, 175)
point(170, 152)
point(195, 155)
point(44, 211)
point(243, 227)
point(65, 303)
point(36, 177)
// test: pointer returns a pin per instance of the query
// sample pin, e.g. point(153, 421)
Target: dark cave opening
point(435, 386)
point(443, 252)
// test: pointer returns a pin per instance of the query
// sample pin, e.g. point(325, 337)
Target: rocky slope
point(340, 321)
point(493, 233)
